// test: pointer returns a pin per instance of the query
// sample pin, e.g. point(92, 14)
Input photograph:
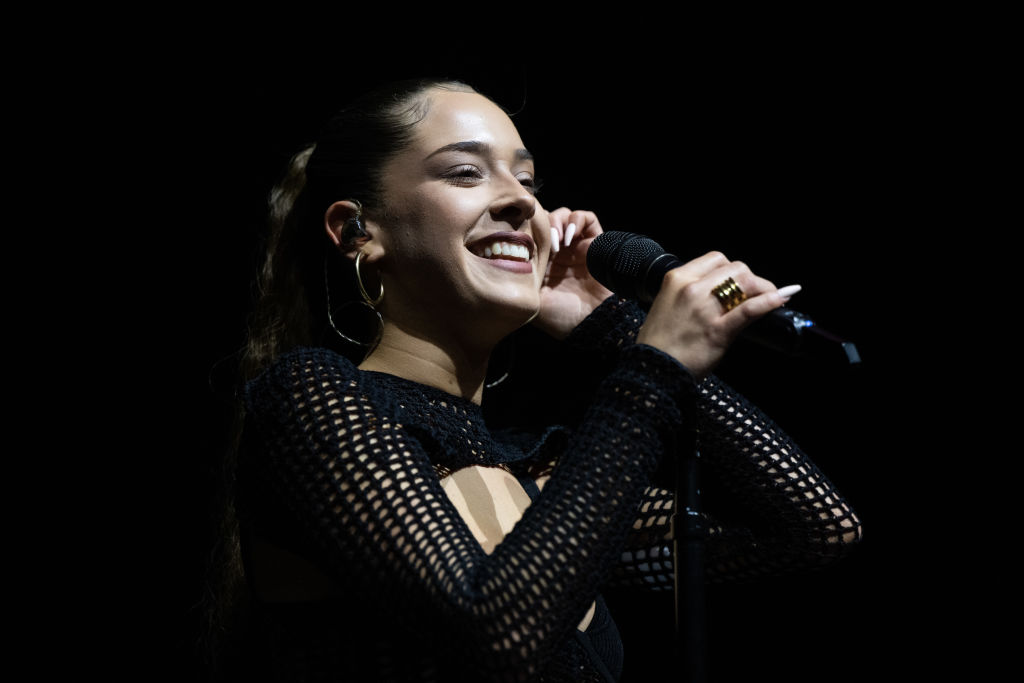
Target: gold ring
point(729, 294)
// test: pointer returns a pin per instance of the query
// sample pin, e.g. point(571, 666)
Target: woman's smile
point(465, 183)
point(512, 251)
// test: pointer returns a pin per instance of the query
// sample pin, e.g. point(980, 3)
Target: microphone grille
point(616, 260)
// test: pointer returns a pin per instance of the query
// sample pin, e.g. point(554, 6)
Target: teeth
point(501, 249)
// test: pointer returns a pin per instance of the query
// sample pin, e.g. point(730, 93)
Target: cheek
point(436, 213)
point(420, 246)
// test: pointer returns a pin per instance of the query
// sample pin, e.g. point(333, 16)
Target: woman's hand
point(569, 294)
point(688, 322)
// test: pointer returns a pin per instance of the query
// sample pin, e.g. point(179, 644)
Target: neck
point(453, 367)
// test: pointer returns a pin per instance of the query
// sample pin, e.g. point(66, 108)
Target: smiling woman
point(462, 184)
point(377, 529)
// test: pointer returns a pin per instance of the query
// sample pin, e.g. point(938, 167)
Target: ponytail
point(284, 286)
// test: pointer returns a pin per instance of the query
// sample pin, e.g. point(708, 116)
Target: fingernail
point(570, 230)
point(786, 292)
point(554, 241)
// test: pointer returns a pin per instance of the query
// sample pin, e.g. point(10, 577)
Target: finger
point(587, 224)
point(559, 216)
point(574, 227)
point(748, 281)
point(704, 265)
point(587, 227)
point(788, 291)
point(704, 273)
point(558, 219)
point(760, 297)
point(570, 232)
point(751, 283)
point(745, 286)
point(754, 308)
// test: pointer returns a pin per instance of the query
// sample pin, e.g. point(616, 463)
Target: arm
point(791, 517)
point(807, 522)
point(803, 520)
point(365, 492)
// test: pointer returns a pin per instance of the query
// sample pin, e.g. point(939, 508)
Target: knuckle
point(692, 289)
point(717, 257)
point(674, 276)
point(677, 279)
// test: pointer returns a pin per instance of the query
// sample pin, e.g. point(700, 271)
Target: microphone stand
point(688, 529)
point(688, 535)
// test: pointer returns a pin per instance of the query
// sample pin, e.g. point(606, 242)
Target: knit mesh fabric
point(793, 517)
point(342, 467)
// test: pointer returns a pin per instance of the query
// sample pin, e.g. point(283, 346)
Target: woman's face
point(464, 240)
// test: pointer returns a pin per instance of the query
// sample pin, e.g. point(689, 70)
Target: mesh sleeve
point(365, 493)
point(609, 328)
point(790, 515)
point(801, 519)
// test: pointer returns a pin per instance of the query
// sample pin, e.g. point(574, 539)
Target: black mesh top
point(342, 468)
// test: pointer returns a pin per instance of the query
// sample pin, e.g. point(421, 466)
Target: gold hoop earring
point(330, 317)
point(373, 301)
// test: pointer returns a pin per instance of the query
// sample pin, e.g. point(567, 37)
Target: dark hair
point(290, 306)
point(346, 162)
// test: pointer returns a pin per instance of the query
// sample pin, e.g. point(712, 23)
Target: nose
point(514, 204)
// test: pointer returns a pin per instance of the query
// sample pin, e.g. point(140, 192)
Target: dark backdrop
point(816, 163)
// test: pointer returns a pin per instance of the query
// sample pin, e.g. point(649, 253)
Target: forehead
point(459, 116)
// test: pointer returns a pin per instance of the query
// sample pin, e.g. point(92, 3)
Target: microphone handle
point(655, 273)
point(783, 330)
point(794, 334)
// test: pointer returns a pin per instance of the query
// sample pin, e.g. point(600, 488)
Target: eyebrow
point(477, 147)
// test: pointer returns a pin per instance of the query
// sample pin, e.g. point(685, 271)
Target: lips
point(504, 246)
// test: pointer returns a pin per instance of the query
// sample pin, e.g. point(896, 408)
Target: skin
point(464, 180)
point(445, 307)
point(466, 177)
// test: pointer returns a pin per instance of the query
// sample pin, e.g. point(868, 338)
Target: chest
point(490, 499)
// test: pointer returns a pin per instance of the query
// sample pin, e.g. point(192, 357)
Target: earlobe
point(344, 223)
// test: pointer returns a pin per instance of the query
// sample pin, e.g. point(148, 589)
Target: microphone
point(633, 266)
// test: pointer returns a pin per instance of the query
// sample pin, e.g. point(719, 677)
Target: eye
point(463, 175)
point(530, 182)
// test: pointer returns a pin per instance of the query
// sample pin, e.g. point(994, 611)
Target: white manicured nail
point(570, 230)
point(786, 292)
point(554, 241)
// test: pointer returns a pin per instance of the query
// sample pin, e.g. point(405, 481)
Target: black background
point(834, 159)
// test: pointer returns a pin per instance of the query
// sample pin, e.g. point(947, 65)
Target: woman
point(386, 532)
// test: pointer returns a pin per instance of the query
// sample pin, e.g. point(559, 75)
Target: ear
point(345, 228)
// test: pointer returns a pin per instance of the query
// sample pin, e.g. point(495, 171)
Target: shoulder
point(307, 361)
point(298, 372)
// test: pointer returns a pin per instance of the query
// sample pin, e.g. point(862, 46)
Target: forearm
point(799, 517)
point(783, 513)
